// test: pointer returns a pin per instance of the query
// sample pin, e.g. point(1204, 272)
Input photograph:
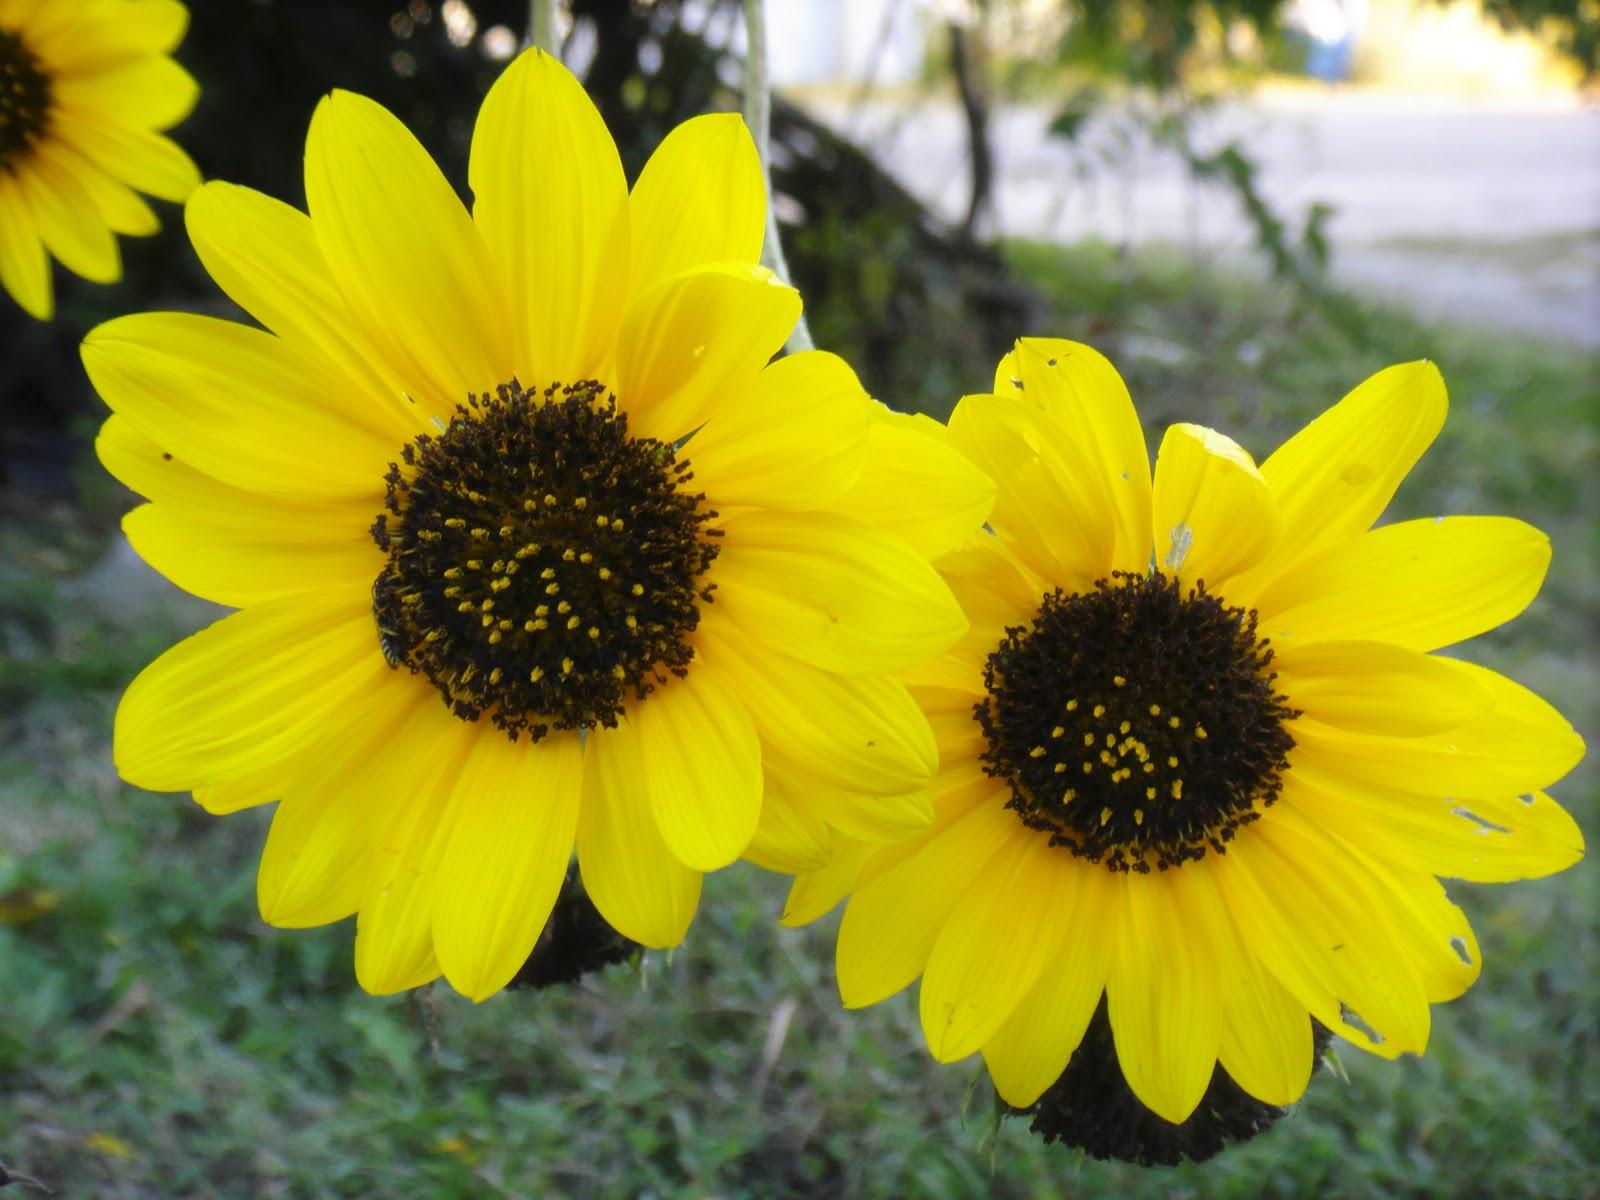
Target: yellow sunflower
point(85, 89)
point(532, 546)
point(1199, 760)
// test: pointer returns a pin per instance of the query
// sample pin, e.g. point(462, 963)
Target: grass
point(156, 1040)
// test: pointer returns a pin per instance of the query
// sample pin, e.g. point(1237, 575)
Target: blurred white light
point(499, 43)
point(459, 22)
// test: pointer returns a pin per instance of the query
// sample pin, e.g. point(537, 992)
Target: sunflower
point(532, 545)
point(85, 89)
point(1201, 767)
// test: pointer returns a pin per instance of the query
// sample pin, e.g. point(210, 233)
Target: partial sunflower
point(532, 545)
point(86, 86)
point(1198, 757)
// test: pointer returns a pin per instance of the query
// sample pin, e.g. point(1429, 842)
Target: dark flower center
point(1136, 725)
point(1092, 1108)
point(543, 564)
point(24, 99)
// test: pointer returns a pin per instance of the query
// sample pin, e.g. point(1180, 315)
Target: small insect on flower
point(86, 86)
point(1201, 766)
point(533, 545)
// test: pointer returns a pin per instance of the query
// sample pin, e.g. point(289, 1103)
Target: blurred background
point(1250, 205)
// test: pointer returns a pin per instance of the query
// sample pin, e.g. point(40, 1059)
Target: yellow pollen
point(474, 564)
point(543, 610)
point(1138, 816)
point(1172, 760)
point(549, 500)
point(616, 524)
point(1149, 768)
point(562, 607)
point(487, 621)
point(631, 621)
point(481, 534)
point(1173, 722)
point(488, 604)
point(586, 558)
point(454, 523)
point(504, 625)
point(464, 606)
point(601, 522)
point(573, 622)
point(637, 589)
point(1036, 752)
point(1099, 710)
point(1061, 768)
point(604, 573)
point(450, 593)
point(452, 572)
point(1088, 768)
point(429, 535)
point(548, 573)
point(1088, 739)
point(566, 666)
point(528, 505)
point(581, 502)
point(536, 674)
point(1150, 793)
point(494, 640)
point(506, 530)
point(1072, 706)
point(1058, 731)
point(1105, 816)
point(1177, 789)
point(569, 555)
point(1155, 710)
point(1120, 680)
point(551, 589)
point(1200, 732)
point(530, 627)
point(1068, 796)
point(594, 633)
point(1124, 727)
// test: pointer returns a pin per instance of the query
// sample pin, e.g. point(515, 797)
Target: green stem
point(758, 116)
point(542, 30)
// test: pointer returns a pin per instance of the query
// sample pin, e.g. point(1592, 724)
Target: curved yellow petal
point(1053, 509)
point(394, 926)
point(69, 223)
point(1335, 477)
point(914, 484)
point(245, 691)
point(120, 207)
point(149, 91)
point(414, 272)
point(704, 781)
point(145, 160)
point(238, 558)
point(893, 920)
point(1028, 1053)
point(1375, 687)
point(24, 265)
point(833, 592)
point(1420, 584)
point(1162, 992)
point(630, 874)
point(794, 438)
point(551, 203)
point(998, 941)
point(515, 814)
point(815, 893)
point(264, 255)
point(790, 837)
point(691, 342)
point(229, 401)
point(1479, 839)
point(859, 731)
point(1080, 388)
point(315, 862)
point(1302, 910)
point(701, 198)
point(1213, 513)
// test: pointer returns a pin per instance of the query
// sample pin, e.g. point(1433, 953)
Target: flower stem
point(758, 116)
point(542, 30)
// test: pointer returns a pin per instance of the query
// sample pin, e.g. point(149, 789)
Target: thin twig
point(758, 116)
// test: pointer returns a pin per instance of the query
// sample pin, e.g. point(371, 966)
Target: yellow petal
point(246, 691)
point(238, 558)
point(1265, 1045)
point(1420, 584)
point(551, 203)
point(315, 863)
point(515, 814)
point(892, 921)
point(66, 218)
point(24, 265)
point(1519, 744)
point(795, 438)
point(705, 767)
point(414, 273)
point(1481, 839)
point(147, 161)
point(149, 91)
point(691, 342)
point(789, 838)
point(833, 592)
point(629, 872)
point(1305, 913)
point(859, 731)
point(995, 592)
point(264, 255)
point(815, 893)
point(1373, 687)
point(122, 209)
point(394, 927)
point(995, 945)
point(914, 484)
point(1076, 385)
point(1213, 514)
point(1162, 992)
point(700, 199)
point(866, 816)
point(229, 401)
point(1053, 508)
point(1029, 1052)
point(1432, 932)
point(1335, 477)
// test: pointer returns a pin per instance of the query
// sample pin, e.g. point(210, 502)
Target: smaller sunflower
point(1201, 765)
point(86, 87)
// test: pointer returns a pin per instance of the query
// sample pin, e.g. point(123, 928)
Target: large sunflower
point(85, 89)
point(1199, 762)
point(532, 545)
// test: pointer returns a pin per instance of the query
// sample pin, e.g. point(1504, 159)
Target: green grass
point(156, 1040)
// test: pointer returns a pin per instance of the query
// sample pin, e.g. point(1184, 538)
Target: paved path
point(1482, 214)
